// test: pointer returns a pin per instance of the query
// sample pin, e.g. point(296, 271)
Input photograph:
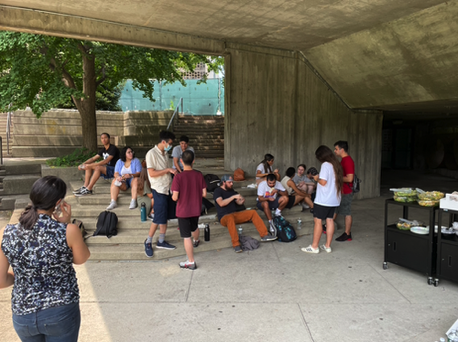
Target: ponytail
point(29, 217)
point(267, 167)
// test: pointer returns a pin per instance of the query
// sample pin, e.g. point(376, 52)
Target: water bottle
point(143, 212)
point(299, 224)
point(207, 232)
point(240, 230)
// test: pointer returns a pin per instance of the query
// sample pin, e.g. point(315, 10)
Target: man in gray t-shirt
point(178, 151)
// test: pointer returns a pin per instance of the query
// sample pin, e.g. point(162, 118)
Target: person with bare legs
point(295, 194)
point(328, 194)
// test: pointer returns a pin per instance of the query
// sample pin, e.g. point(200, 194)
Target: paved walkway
point(276, 293)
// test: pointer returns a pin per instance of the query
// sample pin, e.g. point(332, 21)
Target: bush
point(79, 156)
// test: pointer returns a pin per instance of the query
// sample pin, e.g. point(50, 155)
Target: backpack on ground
point(247, 243)
point(212, 182)
point(106, 224)
point(239, 175)
point(356, 182)
point(285, 231)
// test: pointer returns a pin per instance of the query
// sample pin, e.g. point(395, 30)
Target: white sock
point(112, 200)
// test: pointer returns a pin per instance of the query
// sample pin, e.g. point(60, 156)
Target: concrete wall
point(58, 132)
point(276, 104)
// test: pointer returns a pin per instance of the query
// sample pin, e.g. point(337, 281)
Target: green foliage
point(76, 158)
point(106, 99)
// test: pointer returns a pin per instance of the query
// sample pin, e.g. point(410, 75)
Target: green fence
point(198, 99)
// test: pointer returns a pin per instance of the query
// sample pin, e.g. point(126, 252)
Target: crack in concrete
point(305, 322)
point(394, 287)
point(189, 287)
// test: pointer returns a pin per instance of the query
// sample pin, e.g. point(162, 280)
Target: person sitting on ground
point(177, 153)
point(231, 211)
point(303, 181)
point(144, 194)
point(93, 170)
point(299, 195)
point(272, 195)
point(127, 171)
point(188, 189)
point(41, 250)
point(265, 168)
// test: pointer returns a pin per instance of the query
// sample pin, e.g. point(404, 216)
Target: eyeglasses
point(130, 152)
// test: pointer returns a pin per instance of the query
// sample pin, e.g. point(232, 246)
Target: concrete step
point(20, 184)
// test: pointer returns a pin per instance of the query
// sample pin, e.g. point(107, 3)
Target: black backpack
point(106, 224)
point(356, 182)
point(285, 231)
point(212, 182)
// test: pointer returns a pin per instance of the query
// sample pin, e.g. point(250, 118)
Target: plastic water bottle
point(207, 232)
point(299, 224)
point(240, 230)
point(143, 212)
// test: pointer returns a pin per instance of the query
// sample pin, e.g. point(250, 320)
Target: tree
point(41, 72)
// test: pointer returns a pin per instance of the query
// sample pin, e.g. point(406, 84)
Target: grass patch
point(77, 157)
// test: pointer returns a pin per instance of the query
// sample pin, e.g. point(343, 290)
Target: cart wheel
point(430, 281)
point(385, 266)
point(436, 282)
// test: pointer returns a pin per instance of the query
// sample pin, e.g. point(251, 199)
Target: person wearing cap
point(231, 211)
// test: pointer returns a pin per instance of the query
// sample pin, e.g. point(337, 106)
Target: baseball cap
point(226, 178)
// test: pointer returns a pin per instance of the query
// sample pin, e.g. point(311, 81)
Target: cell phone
point(58, 210)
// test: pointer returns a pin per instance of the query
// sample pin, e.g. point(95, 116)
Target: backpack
point(212, 182)
point(285, 231)
point(239, 175)
point(106, 224)
point(247, 243)
point(356, 182)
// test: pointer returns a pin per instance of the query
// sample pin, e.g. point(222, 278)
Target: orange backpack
point(239, 175)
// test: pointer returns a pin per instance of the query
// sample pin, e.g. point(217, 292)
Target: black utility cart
point(410, 250)
point(447, 249)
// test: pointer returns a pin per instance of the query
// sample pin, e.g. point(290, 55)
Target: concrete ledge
point(42, 151)
point(67, 174)
point(14, 185)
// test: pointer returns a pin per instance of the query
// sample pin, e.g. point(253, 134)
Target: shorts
point(345, 205)
point(321, 212)
point(291, 200)
point(164, 208)
point(109, 172)
point(187, 226)
point(272, 205)
point(128, 182)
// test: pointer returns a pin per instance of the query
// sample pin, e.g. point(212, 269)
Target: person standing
point(328, 194)
point(41, 249)
point(159, 174)
point(348, 166)
point(177, 152)
point(188, 189)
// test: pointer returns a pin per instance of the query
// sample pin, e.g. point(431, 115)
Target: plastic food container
point(405, 199)
point(405, 192)
point(428, 203)
point(431, 195)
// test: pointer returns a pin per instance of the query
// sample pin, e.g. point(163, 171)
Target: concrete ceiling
point(384, 54)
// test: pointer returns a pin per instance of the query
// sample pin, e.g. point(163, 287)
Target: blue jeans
point(58, 324)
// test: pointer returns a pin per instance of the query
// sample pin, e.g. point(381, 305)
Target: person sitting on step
point(265, 168)
point(177, 153)
point(300, 196)
point(127, 171)
point(93, 170)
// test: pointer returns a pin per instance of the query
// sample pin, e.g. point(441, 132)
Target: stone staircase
point(128, 244)
point(3, 123)
point(205, 132)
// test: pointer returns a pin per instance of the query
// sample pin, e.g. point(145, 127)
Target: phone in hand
point(58, 209)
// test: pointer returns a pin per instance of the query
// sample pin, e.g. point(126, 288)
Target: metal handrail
point(180, 105)
point(8, 129)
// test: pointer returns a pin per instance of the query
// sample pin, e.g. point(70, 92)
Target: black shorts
point(321, 212)
point(187, 226)
point(291, 200)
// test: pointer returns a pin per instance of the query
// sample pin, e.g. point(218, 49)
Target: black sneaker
point(196, 243)
point(84, 192)
point(344, 237)
point(165, 245)
point(78, 191)
point(324, 229)
point(149, 249)
point(238, 249)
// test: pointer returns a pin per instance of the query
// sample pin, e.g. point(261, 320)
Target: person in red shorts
point(348, 166)
point(188, 188)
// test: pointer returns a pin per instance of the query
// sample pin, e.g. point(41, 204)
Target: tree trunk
point(86, 106)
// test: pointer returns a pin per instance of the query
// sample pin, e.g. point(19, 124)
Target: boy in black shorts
point(188, 188)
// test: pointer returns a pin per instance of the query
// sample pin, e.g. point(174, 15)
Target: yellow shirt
point(158, 160)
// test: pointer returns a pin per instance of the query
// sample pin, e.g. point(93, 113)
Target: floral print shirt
point(42, 262)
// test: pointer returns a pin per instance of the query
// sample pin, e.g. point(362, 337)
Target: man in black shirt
point(231, 211)
point(105, 168)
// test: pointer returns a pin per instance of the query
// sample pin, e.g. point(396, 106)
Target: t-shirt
point(262, 169)
point(135, 166)
point(177, 152)
point(327, 195)
point(348, 166)
point(297, 179)
point(111, 151)
point(284, 182)
point(189, 184)
point(265, 191)
point(231, 207)
point(158, 160)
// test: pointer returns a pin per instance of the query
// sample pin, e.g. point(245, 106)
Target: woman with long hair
point(265, 168)
point(41, 249)
point(127, 170)
point(328, 193)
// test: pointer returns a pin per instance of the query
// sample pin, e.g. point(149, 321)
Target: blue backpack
point(285, 231)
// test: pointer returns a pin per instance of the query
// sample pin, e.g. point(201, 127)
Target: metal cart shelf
point(447, 250)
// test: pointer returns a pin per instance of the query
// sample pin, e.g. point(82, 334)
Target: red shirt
point(348, 166)
point(189, 184)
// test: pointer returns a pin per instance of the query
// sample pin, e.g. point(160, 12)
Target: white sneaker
point(133, 204)
point(305, 206)
point(326, 249)
point(277, 212)
point(112, 205)
point(310, 249)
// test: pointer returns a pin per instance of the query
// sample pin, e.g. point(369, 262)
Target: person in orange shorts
point(231, 211)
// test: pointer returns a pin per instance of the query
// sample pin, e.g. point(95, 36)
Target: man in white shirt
point(272, 195)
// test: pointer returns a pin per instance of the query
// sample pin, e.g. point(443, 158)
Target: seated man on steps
point(93, 170)
point(231, 211)
point(177, 153)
